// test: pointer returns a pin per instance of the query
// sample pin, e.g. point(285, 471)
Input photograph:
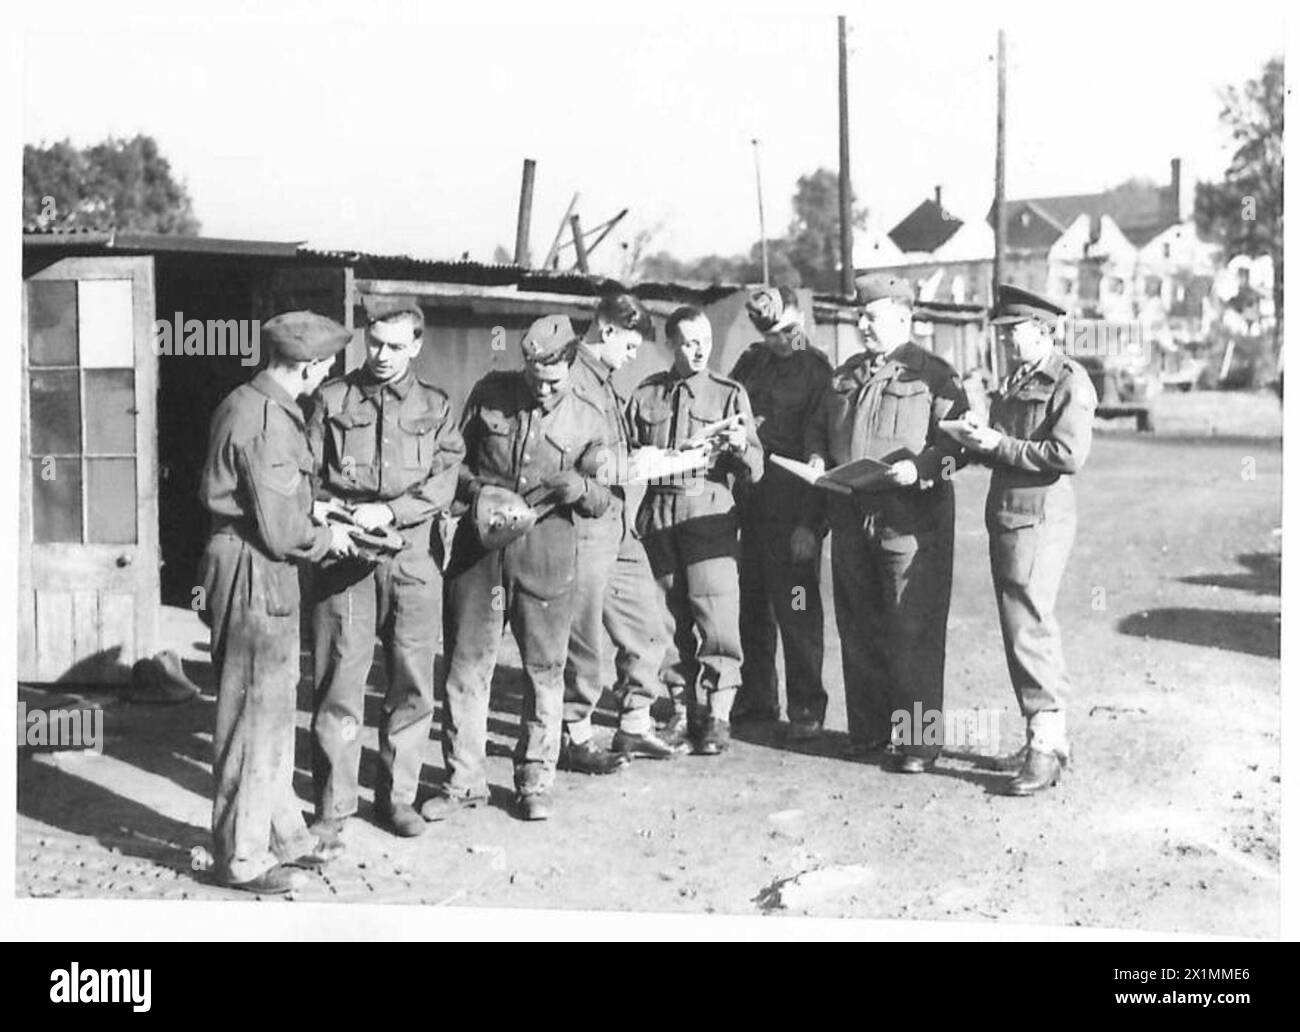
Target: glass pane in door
point(105, 323)
point(56, 500)
point(55, 411)
point(52, 322)
point(110, 501)
point(110, 412)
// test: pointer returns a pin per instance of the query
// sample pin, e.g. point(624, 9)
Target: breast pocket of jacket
point(354, 438)
point(561, 450)
point(905, 412)
point(703, 413)
point(418, 446)
point(498, 439)
point(1029, 407)
point(283, 476)
point(652, 423)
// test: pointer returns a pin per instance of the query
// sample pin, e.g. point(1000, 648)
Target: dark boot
point(1041, 771)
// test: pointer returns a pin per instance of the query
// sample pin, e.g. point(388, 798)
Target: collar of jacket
point(400, 387)
point(599, 369)
point(676, 379)
point(907, 355)
point(1050, 367)
point(265, 384)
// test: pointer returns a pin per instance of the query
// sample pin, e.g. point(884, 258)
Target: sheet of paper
point(802, 470)
point(652, 463)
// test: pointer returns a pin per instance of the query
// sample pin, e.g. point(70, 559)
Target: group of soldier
point(572, 513)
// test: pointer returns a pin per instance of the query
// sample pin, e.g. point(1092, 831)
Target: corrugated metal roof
point(120, 241)
point(370, 265)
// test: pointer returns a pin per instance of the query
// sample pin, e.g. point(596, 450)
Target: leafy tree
point(808, 255)
point(117, 184)
point(814, 234)
point(1244, 211)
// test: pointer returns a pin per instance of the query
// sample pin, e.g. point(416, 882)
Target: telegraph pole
point(762, 224)
point(1000, 172)
point(846, 186)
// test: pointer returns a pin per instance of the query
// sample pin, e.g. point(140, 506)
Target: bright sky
point(389, 127)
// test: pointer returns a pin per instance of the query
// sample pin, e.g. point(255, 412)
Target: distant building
point(1128, 254)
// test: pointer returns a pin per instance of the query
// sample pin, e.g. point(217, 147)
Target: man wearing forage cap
point(780, 553)
point(257, 484)
point(388, 450)
point(1037, 440)
point(891, 547)
point(527, 433)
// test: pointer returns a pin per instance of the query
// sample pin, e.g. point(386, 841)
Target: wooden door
point(88, 512)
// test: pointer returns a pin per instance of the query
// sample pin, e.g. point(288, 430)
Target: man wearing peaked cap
point(1017, 305)
point(780, 551)
point(256, 483)
point(387, 454)
point(1038, 437)
point(527, 432)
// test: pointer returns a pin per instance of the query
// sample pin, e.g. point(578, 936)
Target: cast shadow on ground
point(960, 766)
point(174, 742)
point(1263, 575)
point(1254, 633)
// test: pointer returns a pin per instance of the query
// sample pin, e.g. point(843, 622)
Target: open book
point(858, 475)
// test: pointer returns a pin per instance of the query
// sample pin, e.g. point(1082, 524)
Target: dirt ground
point(1167, 819)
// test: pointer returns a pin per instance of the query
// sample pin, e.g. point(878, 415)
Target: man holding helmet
point(535, 451)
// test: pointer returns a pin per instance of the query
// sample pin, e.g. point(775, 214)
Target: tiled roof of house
point(1141, 209)
point(925, 228)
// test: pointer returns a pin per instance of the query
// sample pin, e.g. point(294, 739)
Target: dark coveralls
point(615, 591)
point(515, 441)
point(775, 591)
point(257, 483)
point(1046, 417)
point(688, 525)
point(891, 550)
point(397, 444)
